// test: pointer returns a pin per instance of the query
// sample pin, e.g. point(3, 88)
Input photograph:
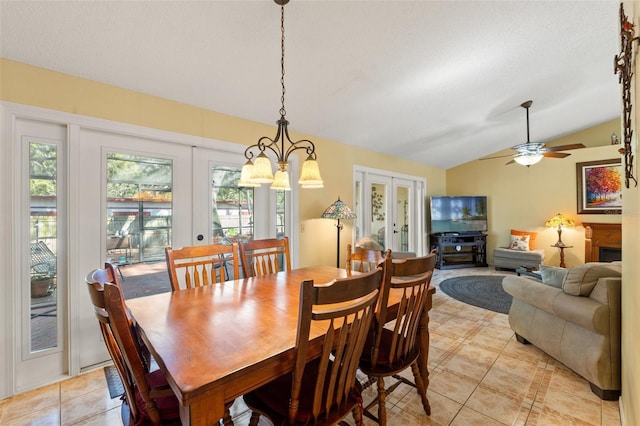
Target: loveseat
point(574, 316)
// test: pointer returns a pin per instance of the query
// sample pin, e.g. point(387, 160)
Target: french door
point(40, 286)
point(390, 210)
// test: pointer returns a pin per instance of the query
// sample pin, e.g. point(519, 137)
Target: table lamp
point(560, 221)
point(340, 211)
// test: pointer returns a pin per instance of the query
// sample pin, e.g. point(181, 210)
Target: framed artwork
point(599, 187)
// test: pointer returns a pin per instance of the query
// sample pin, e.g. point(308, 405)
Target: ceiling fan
point(529, 153)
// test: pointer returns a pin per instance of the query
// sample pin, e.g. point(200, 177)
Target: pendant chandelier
point(259, 171)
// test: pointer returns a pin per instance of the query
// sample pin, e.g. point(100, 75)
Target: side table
point(561, 247)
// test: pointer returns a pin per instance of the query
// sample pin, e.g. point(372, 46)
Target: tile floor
point(480, 375)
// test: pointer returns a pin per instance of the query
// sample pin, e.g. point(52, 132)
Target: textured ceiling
point(437, 82)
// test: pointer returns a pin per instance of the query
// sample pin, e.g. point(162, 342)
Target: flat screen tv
point(464, 214)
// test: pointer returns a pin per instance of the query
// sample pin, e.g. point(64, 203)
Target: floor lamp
point(340, 211)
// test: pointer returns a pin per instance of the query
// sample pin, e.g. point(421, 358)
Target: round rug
point(483, 291)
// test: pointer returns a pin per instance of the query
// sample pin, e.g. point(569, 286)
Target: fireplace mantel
point(600, 235)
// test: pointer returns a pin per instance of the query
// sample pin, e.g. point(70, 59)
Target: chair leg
point(422, 391)
point(357, 414)
point(382, 399)
point(227, 420)
point(255, 418)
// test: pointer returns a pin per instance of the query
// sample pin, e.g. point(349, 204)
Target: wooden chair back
point(362, 259)
point(196, 266)
point(126, 339)
point(96, 281)
point(412, 277)
point(325, 390)
point(262, 257)
point(395, 347)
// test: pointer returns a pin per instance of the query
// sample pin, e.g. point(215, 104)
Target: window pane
point(232, 206)
point(43, 189)
point(280, 213)
point(139, 208)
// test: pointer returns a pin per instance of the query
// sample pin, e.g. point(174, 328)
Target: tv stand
point(459, 250)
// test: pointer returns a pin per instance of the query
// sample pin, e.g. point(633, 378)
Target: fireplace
point(609, 254)
point(602, 242)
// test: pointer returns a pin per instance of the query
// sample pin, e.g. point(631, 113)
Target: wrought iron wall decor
point(623, 65)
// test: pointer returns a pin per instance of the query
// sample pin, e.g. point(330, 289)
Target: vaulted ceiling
point(437, 82)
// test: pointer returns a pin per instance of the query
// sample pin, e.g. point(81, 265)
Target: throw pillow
point(553, 275)
point(581, 280)
point(519, 242)
point(532, 237)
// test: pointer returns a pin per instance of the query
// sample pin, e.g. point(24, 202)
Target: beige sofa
point(574, 316)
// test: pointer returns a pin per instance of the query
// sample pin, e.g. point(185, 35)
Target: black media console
point(459, 250)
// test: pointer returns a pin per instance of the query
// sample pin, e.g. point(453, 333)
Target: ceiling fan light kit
point(530, 153)
point(528, 159)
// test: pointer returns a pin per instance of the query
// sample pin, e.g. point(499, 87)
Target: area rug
point(484, 291)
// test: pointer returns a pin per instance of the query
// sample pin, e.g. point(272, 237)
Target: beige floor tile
point(610, 413)
point(443, 409)
point(526, 368)
point(87, 405)
point(570, 382)
point(82, 384)
point(42, 402)
point(458, 388)
point(468, 417)
point(563, 403)
point(108, 418)
point(502, 407)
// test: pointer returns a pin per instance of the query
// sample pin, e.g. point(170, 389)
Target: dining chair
point(325, 390)
point(95, 281)
point(148, 397)
point(195, 266)
point(393, 348)
point(363, 259)
point(262, 257)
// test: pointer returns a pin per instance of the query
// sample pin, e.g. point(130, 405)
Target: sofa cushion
point(581, 280)
point(553, 275)
point(532, 292)
point(519, 242)
point(532, 236)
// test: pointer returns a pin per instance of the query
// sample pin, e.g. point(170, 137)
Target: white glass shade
point(310, 174)
point(245, 175)
point(281, 181)
point(528, 159)
point(262, 172)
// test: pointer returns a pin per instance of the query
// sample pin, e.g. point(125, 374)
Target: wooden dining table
point(218, 342)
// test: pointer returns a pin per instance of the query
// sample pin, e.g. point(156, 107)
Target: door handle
point(200, 237)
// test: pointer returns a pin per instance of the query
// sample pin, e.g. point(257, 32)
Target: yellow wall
point(631, 266)
point(525, 197)
point(25, 84)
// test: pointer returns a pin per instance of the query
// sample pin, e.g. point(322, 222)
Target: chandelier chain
point(283, 112)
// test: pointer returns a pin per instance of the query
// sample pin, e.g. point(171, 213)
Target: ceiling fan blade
point(564, 147)
point(497, 156)
point(510, 162)
point(556, 154)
